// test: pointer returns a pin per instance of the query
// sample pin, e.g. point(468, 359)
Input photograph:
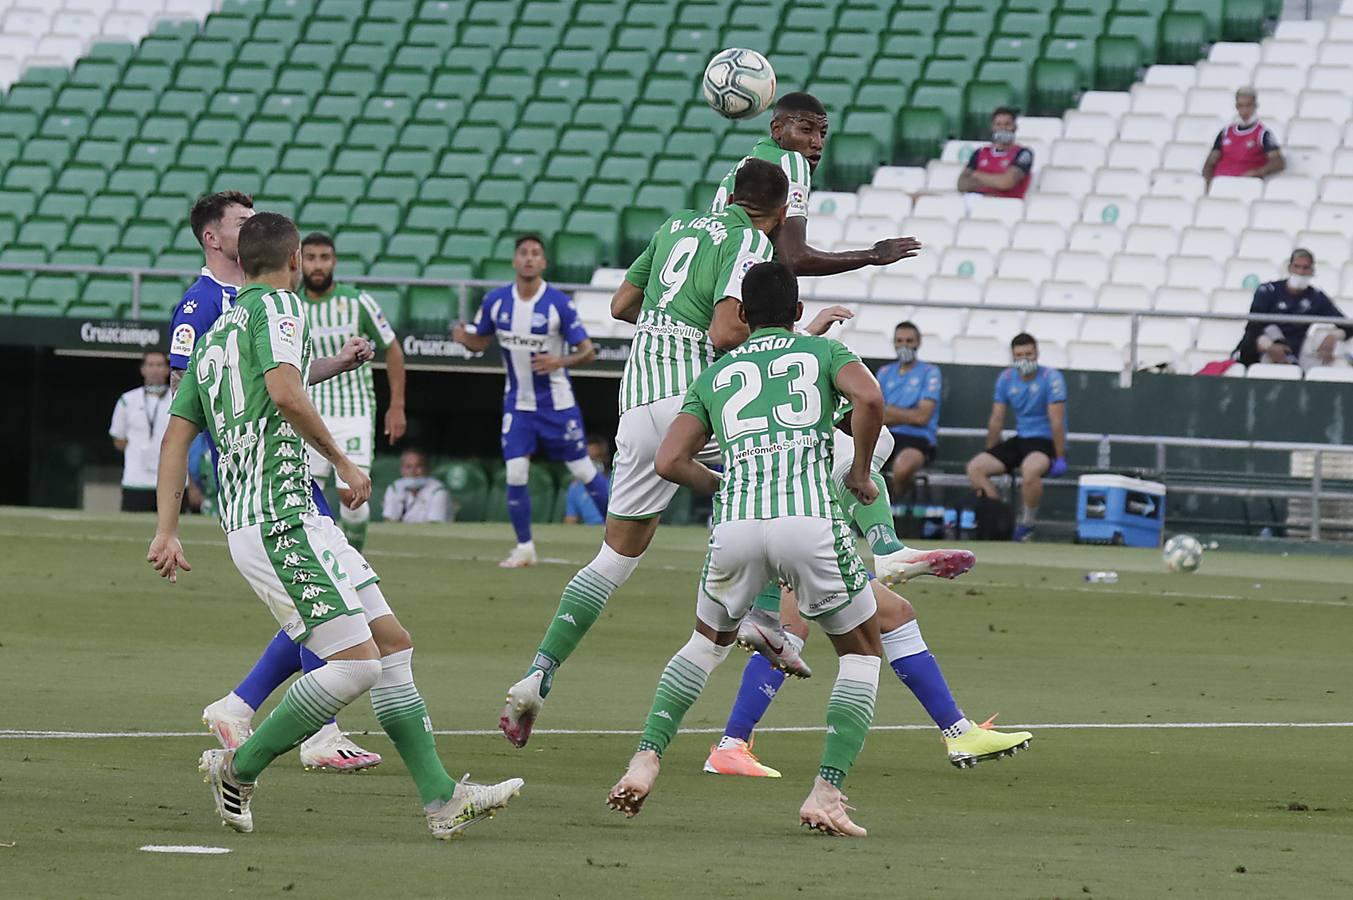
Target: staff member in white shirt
point(139, 421)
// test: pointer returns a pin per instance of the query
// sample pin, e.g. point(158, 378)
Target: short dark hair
point(1301, 251)
point(1023, 339)
point(1005, 111)
point(799, 102)
point(320, 239)
point(529, 236)
point(907, 324)
point(267, 241)
point(760, 187)
point(210, 208)
point(770, 296)
point(149, 353)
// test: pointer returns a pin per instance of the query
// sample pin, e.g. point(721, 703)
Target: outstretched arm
point(475, 343)
point(791, 242)
point(166, 553)
point(395, 422)
point(354, 353)
point(676, 457)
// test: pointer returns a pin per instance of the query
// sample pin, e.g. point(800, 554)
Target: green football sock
point(678, 689)
point(850, 711)
point(402, 713)
point(875, 519)
point(769, 598)
point(579, 608)
point(304, 709)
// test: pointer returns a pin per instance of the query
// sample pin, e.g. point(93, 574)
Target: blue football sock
point(760, 682)
point(519, 511)
point(321, 502)
point(916, 666)
point(280, 660)
point(599, 490)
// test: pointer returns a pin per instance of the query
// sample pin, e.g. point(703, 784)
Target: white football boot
point(471, 803)
point(230, 729)
point(330, 749)
point(231, 795)
point(761, 632)
point(908, 563)
point(522, 555)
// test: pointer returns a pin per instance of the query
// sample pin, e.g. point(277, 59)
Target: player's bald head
point(761, 188)
point(770, 296)
point(268, 242)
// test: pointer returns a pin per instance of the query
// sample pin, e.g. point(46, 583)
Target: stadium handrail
point(137, 274)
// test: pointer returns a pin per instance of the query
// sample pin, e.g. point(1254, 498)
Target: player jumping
point(245, 384)
point(536, 326)
point(771, 404)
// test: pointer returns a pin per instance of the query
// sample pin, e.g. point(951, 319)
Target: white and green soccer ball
point(739, 83)
point(1182, 553)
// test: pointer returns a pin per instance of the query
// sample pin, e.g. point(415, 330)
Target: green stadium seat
point(66, 207)
point(946, 98)
point(501, 112)
point(444, 110)
point(465, 163)
point(921, 133)
point(1056, 84)
point(1182, 37)
point(851, 158)
point(97, 236)
point(405, 82)
point(263, 130)
point(128, 257)
point(360, 242)
point(278, 104)
point(1210, 10)
point(979, 99)
point(1080, 52)
point(118, 207)
point(637, 225)
point(307, 158)
point(968, 47)
point(1118, 58)
point(289, 184)
point(112, 292)
point(36, 98)
point(66, 125)
point(28, 176)
point(1013, 73)
point(382, 215)
point(47, 151)
point(82, 179)
point(468, 485)
point(55, 290)
point(399, 188)
point(485, 218)
point(1080, 25)
point(417, 245)
point(133, 178)
point(537, 218)
point(414, 161)
point(1022, 23)
point(502, 191)
point(1243, 20)
point(358, 160)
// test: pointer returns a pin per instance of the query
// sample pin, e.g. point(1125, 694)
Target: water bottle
point(1102, 577)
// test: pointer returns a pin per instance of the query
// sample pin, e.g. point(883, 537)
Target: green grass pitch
point(92, 642)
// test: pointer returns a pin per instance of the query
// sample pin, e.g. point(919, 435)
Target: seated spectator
point(416, 496)
point(1245, 148)
point(1038, 395)
point(579, 509)
point(1283, 342)
point(911, 398)
point(1002, 168)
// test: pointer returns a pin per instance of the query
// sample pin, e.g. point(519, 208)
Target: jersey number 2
point(801, 369)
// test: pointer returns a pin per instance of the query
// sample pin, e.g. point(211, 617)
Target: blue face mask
point(1026, 367)
point(906, 355)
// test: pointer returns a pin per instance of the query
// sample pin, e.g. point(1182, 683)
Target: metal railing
point(1105, 443)
point(456, 291)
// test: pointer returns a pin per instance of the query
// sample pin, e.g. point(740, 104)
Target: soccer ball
point(739, 83)
point(1182, 553)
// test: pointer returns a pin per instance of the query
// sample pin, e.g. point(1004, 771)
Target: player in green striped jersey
point(245, 383)
point(678, 295)
point(347, 403)
point(771, 404)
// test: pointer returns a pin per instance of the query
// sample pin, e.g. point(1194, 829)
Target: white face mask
point(906, 355)
point(1026, 367)
point(1003, 137)
point(1299, 282)
point(156, 390)
point(1246, 123)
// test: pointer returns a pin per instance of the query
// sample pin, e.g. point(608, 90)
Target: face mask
point(1246, 123)
point(1003, 137)
point(906, 355)
point(156, 390)
point(1299, 282)
point(1026, 367)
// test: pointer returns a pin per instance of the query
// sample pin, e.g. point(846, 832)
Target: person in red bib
point(1002, 168)
point(1245, 148)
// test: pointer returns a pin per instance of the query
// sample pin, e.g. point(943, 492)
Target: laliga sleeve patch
point(181, 343)
point(287, 330)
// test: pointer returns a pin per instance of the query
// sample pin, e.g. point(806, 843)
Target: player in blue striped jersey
point(541, 338)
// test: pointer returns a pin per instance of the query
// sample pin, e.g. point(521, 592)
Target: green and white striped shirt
point(771, 404)
point(795, 167)
point(263, 474)
point(693, 261)
point(343, 313)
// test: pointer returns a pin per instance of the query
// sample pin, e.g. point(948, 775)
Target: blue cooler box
point(1115, 509)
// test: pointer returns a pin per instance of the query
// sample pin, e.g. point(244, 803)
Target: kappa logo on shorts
point(312, 591)
point(279, 527)
point(284, 543)
point(288, 468)
point(284, 429)
point(321, 609)
point(301, 576)
point(289, 485)
point(291, 500)
point(292, 560)
point(286, 451)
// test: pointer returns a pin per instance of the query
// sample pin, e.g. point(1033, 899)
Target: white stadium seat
point(838, 204)
point(943, 324)
point(1332, 217)
point(1241, 54)
point(1086, 356)
point(1177, 334)
point(1117, 210)
point(1229, 74)
point(1219, 335)
point(1181, 157)
point(1007, 210)
point(1010, 292)
point(1045, 237)
point(1066, 295)
point(1278, 56)
point(1234, 302)
point(1115, 330)
point(845, 287)
point(1137, 269)
point(957, 151)
point(941, 176)
point(864, 231)
point(1292, 30)
point(878, 318)
point(1279, 213)
point(937, 350)
point(1053, 355)
point(1193, 272)
point(953, 289)
point(1339, 28)
point(979, 351)
point(1074, 182)
point(1198, 129)
point(1243, 189)
point(1150, 356)
point(824, 231)
point(1136, 156)
point(1123, 296)
point(1333, 53)
point(1325, 104)
point(1171, 211)
point(1151, 128)
point(897, 287)
point(1173, 299)
point(1309, 160)
point(1051, 208)
point(873, 345)
point(934, 234)
point(1027, 264)
point(1160, 240)
point(1336, 189)
point(1086, 268)
point(968, 262)
point(1342, 162)
point(1077, 154)
point(1111, 103)
point(1162, 101)
point(1214, 242)
point(885, 202)
point(1210, 101)
point(1274, 372)
point(1215, 212)
point(1186, 186)
point(128, 26)
point(1330, 247)
point(1052, 328)
point(948, 206)
point(1340, 374)
point(1313, 133)
point(1247, 273)
point(1090, 237)
point(976, 233)
point(608, 278)
point(995, 323)
point(27, 20)
point(1040, 128)
point(1178, 77)
point(1095, 127)
point(905, 178)
point(1126, 182)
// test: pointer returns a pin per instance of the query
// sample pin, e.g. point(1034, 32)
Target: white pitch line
point(17, 734)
